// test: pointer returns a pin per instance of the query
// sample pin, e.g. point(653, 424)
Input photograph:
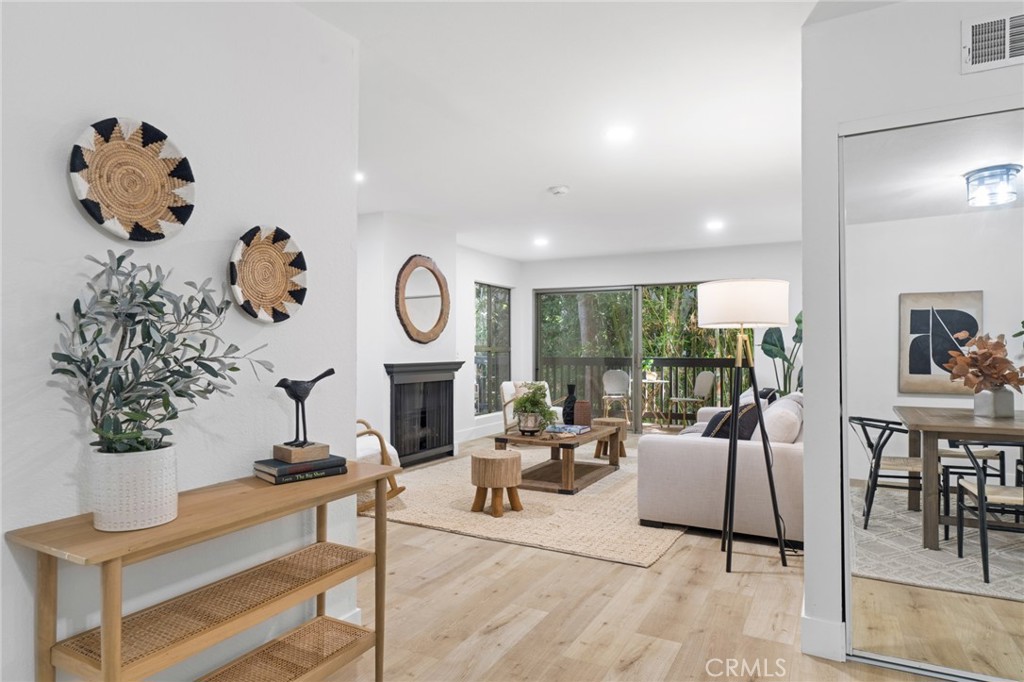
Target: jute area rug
point(890, 549)
point(600, 521)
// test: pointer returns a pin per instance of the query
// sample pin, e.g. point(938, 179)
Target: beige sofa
point(681, 480)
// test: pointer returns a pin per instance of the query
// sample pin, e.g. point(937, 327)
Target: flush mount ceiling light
point(360, 177)
point(992, 185)
point(540, 241)
point(619, 134)
point(715, 225)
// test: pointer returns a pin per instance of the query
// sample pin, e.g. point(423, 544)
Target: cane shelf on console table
point(140, 644)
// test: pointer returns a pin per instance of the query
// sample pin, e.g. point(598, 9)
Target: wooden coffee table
point(563, 474)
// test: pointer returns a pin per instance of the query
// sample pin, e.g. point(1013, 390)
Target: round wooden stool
point(602, 444)
point(498, 470)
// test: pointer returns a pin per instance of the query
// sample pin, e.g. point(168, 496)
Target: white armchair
point(510, 390)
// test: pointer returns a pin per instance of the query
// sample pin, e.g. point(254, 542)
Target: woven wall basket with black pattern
point(268, 274)
point(132, 180)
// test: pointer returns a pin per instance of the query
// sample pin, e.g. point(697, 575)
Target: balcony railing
point(680, 373)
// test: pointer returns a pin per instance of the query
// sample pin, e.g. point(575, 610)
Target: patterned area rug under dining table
point(890, 549)
point(600, 521)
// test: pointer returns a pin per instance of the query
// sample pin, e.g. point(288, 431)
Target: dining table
point(926, 426)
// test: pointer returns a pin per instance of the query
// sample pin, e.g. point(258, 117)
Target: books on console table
point(571, 429)
point(277, 471)
point(277, 467)
point(302, 476)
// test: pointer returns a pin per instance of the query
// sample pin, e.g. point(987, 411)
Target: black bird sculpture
point(299, 391)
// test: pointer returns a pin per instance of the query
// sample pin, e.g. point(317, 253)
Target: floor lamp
point(744, 304)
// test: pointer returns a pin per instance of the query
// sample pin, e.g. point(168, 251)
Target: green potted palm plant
point(132, 351)
point(532, 409)
point(774, 346)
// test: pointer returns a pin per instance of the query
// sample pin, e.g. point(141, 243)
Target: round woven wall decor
point(132, 180)
point(268, 274)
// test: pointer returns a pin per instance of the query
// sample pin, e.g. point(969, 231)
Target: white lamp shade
point(734, 303)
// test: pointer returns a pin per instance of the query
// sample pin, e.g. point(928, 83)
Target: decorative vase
point(996, 403)
point(569, 408)
point(529, 423)
point(133, 490)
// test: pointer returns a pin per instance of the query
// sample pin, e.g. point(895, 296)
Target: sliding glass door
point(648, 331)
point(581, 334)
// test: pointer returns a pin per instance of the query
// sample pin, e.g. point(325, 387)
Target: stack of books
point(276, 471)
point(567, 429)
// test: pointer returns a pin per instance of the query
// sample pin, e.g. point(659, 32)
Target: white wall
point(872, 302)
point(386, 241)
point(474, 267)
point(764, 261)
point(262, 99)
point(850, 88)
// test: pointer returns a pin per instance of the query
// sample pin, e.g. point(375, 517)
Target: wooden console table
point(138, 645)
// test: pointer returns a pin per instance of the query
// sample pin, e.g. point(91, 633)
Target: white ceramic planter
point(133, 490)
point(529, 423)
point(996, 404)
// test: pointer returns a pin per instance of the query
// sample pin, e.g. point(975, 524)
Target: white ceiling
point(918, 172)
point(469, 111)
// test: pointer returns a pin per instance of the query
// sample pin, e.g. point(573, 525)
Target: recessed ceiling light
point(715, 225)
point(360, 176)
point(540, 241)
point(619, 133)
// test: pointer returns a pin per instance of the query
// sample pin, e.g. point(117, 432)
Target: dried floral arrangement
point(986, 366)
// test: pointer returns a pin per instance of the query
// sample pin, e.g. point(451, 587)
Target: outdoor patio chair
point(616, 391)
point(703, 387)
point(982, 500)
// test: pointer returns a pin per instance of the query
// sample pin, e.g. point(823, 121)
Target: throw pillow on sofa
point(782, 421)
point(718, 425)
point(767, 396)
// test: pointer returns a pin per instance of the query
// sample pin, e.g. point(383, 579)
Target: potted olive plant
point(133, 351)
point(532, 409)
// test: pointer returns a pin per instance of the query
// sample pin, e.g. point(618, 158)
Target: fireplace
point(422, 410)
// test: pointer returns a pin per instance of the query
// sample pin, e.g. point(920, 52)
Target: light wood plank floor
point(461, 608)
point(960, 631)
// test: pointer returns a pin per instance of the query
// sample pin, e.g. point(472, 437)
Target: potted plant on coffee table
point(532, 409)
point(132, 351)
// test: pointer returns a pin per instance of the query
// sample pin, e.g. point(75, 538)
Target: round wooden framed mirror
point(421, 299)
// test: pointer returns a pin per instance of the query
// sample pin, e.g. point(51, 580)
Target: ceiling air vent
point(992, 43)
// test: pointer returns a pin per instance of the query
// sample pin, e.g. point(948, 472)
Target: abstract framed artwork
point(928, 324)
